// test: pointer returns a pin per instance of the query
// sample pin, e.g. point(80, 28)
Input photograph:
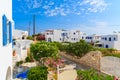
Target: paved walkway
point(68, 75)
point(78, 65)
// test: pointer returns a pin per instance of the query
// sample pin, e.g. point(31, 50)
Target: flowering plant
point(50, 62)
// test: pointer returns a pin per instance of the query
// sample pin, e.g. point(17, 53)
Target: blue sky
point(89, 16)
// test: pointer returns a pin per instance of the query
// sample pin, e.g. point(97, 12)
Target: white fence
point(110, 65)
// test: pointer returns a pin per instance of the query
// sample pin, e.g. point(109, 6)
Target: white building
point(91, 38)
point(21, 49)
point(63, 35)
point(111, 41)
point(6, 23)
point(20, 34)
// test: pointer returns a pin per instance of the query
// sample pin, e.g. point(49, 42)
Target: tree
point(37, 73)
point(43, 49)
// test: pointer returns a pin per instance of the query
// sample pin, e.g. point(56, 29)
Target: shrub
point(79, 48)
point(106, 51)
point(30, 37)
point(111, 54)
point(61, 46)
point(92, 75)
point(19, 63)
point(43, 49)
point(37, 73)
point(27, 59)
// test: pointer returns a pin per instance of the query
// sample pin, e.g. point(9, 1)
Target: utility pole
point(29, 28)
point(33, 24)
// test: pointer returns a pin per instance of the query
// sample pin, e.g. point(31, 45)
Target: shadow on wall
point(8, 75)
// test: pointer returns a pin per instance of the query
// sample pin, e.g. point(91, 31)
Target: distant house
point(92, 38)
point(111, 41)
point(20, 34)
point(63, 35)
point(6, 26)
point(21, 48)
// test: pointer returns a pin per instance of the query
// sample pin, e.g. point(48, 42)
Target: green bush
point(19, 63)
point(61, 46)
point(106, 50)
point(37, 73)
point(43, 49)
point(110, 54)
point(27, 59)
point(79, 48)
point(92, 75)
point(30, 37)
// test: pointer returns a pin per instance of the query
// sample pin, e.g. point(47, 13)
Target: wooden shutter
point(4, 26)
point(10, 32)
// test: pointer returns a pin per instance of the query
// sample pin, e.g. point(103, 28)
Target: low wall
point(91, 59)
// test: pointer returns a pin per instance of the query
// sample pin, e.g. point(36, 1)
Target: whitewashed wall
point(5, 51)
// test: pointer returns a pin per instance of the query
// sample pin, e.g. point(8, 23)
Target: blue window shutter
point(10, 32)
point(4, 21)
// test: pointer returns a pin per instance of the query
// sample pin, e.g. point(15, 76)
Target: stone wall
point(91, 59)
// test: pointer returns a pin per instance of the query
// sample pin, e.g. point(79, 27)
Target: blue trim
point(10, 32)
point(4, 26)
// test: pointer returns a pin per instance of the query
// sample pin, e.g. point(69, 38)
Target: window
point(105, 38)
point(60, 39)
point(74, 38)
point(109, 38)
point(66, 34)
point(90, 37)
point(74, 33)
point(82, 37)
point(107, 46)
point(51, 33)
point(114, 38)
point(63, 34)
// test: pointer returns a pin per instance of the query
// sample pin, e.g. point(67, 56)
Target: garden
point(92, 75)
point(47, 55)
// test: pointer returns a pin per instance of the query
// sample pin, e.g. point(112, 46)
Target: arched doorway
point(49, 40)
point(107, 46)
point(8, 74)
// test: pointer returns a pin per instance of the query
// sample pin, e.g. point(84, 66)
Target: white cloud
point(36, 3)
point(95, 5)
point(65, 7)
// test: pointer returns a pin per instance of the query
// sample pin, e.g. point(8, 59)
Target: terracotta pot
point(14, 53)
